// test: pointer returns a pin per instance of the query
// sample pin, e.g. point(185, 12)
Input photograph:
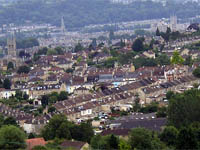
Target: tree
point(153, 107)
point(45, 100)
point(196, 72)
point(109, 142)
point(83, 132)
point(169, 136)
point(11, 137)
point(124, 145)
point(19, 94)
point(51, 109)
point(138, 45)
point(31, 136)
point(94, 43)
point(7, 83)
point(186, 139)
point(113, 142)
point(98, 142)
point(23, 69)
point(177, 59)
point(22, 54)
point(1, 120)
point(137, 106)
point(168, 31)
point(10, 65)
point(157, 32)
point(59, 50)
point(78, 47)
point(163, 59)
point(188, 61)
point(184, 109)
point(165, 36)
point(25, 96)
point(63, 96)
point(53, 99)
point(141, 138)
point(10, 121)
point(52, 52)
point(79, 59)
point(58, 126)
point(162, 112)
point(63, 131)
point(169, 95)
point(1, 84)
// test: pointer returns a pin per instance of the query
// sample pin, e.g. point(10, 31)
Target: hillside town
point(113, 85)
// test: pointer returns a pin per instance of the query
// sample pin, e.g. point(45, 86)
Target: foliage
point(138, 45)
point(54, 97)
point(39, 147)
point(186, 139)
point(86, 12)
point(183, 108)
point(153, 107)
point(7, 83)
point(162, 112)
point(177, 59)
point(60, 127)
point(78, 47)
point(163, 59)
point(45, 100)
point(51, 52)
point(31, 136)
point(124, 145)
point(137, 106)
point(169, 95)
point(141, 138)
point(79, 59)
point(109, 142)
point(27, 43)
point(10, 66)
point(157, 32)
point(82, 132)
point(196, 72)
point(23, 69)
point(188, 61)
point(109, 63)
point(169, 136)
point(63, 96)
point(21, 95)
point(11, 137)
point(51, 109)
point(10, 121)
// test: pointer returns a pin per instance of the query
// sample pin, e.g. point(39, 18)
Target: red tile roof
point(35, 142)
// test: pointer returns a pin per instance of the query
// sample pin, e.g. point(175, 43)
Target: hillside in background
point(78, 13)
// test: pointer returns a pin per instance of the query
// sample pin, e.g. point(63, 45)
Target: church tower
point(11, 44)
point(173, 22)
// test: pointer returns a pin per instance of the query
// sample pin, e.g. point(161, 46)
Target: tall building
point(11, 44)
point(63, 29)
point(173, 22)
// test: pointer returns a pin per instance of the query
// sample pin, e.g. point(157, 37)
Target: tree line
point(81, 13)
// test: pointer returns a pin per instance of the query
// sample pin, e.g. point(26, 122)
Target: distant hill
point(78, 13)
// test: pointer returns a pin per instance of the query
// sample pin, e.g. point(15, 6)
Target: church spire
point(63, 30)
